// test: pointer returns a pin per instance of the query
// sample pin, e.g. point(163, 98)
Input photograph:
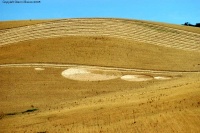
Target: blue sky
point(169, 11)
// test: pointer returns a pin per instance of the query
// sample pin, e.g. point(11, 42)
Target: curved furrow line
point(51, 65)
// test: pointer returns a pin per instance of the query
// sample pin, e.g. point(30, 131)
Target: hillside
point(99, 75)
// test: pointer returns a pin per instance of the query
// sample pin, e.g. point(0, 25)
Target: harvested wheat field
point(99, 75)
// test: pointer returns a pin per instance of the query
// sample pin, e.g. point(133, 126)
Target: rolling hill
point(99, 75)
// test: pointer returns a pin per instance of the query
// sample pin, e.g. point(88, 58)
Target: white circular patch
point(39, 69)
point(162, 77)
point(75, 71)
point(136, 78)
point(82, 74)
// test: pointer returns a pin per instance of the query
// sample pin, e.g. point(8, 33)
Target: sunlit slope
point(102, 42)
point(100, 51)
point(180, 27)
point(121, 28)
point(110, 106)
point(16, 24)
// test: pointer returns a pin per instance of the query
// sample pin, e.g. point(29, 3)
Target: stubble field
point(99, 75)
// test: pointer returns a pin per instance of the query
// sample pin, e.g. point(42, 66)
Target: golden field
point(36, 97)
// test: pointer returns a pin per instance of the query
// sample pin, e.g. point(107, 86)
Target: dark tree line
point(188, 24)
